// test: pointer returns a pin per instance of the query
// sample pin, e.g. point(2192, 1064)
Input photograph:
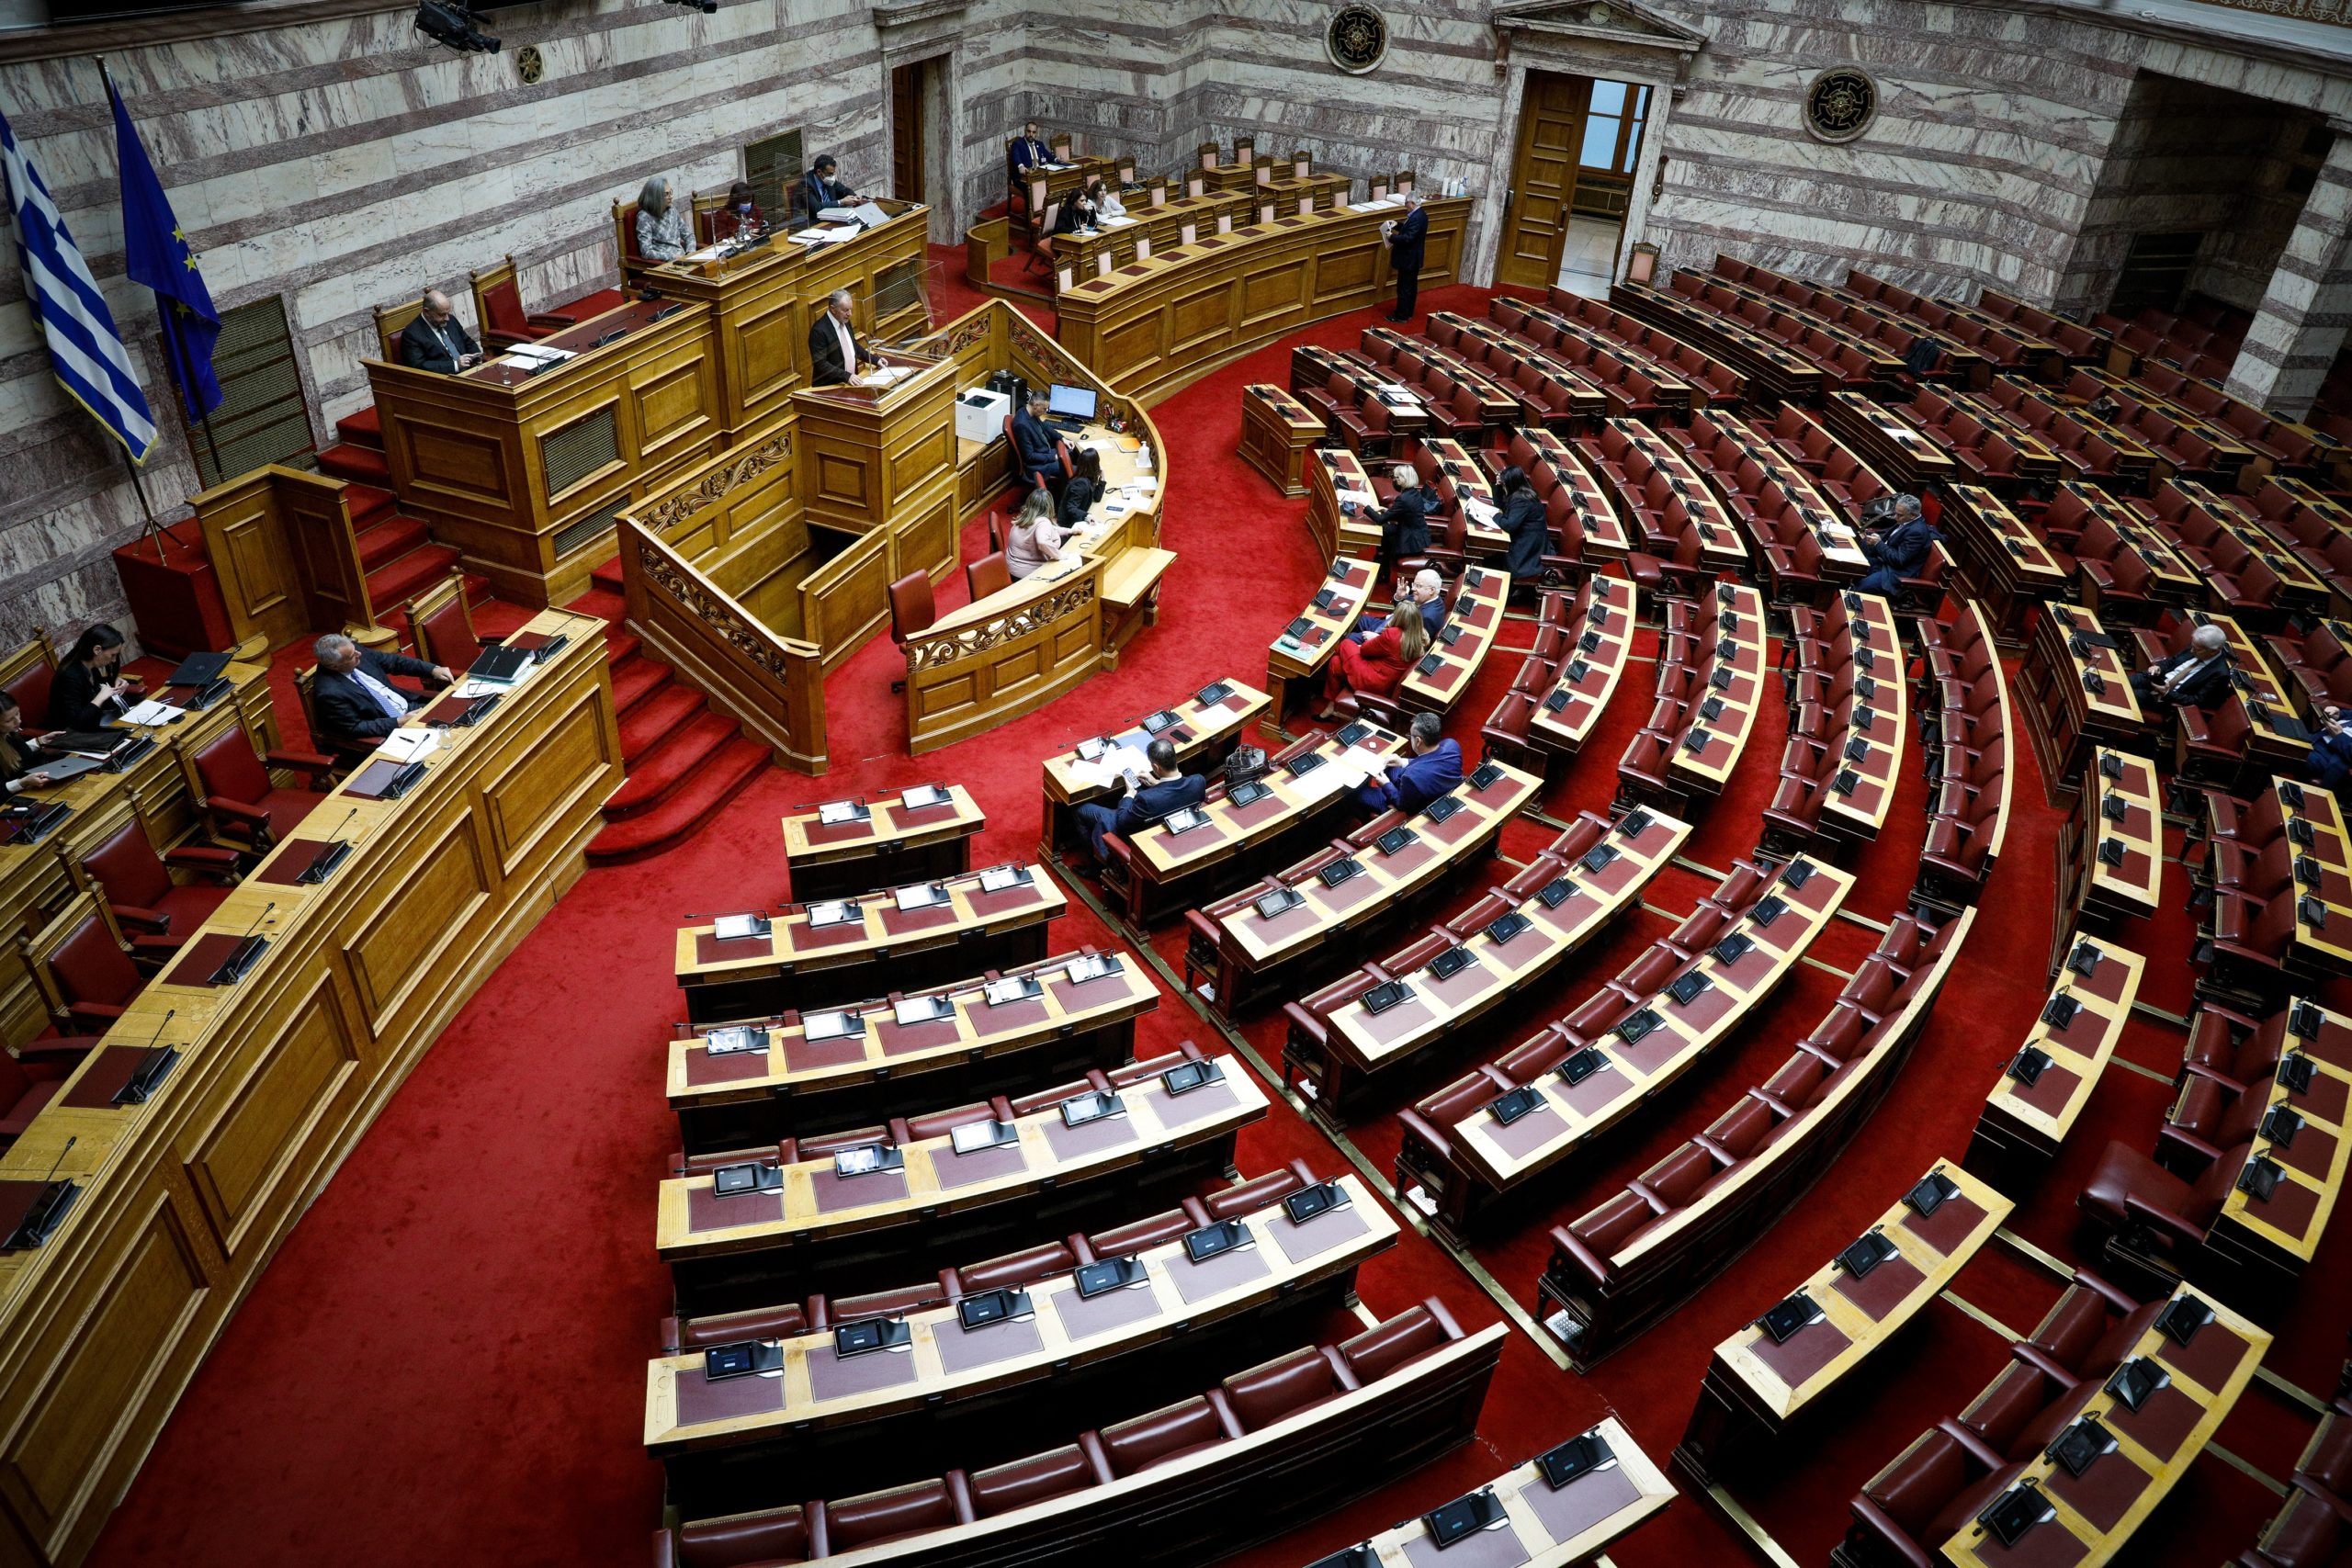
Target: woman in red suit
point(1377, 666)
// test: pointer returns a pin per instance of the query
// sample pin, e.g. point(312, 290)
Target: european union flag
point(156, 253)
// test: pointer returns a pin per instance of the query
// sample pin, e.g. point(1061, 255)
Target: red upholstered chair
point(1411, 1334)
point(918, 1509)
point(776, 1535)
point(25, 676)
point(1283, 1387)
point(1172, 1433)
point(986, 575)
point(911, 610)
point(30, 1080)
point(81, 969)
point(2144, 1207)
point(443, 626)
point(498, 307)
point(782, 1322)
point(1939, 1484)
point(240, 802)
point(1036, 1478)
point(154, 911)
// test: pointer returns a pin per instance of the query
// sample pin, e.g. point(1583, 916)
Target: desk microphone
point(150, 1072)
point(249, 946)
point(41, 1217)
point(331, 853)
point(60, 1159)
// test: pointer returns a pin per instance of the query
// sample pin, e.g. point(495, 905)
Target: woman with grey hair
point(662, 231)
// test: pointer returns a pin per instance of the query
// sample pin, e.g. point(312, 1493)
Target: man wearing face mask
point(741, 214)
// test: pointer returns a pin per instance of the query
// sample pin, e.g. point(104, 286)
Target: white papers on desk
point(1115, 222)
point(1383, 205)
point(1361, 497)
point(474, 686)
point(883, 376)
point(152, 712)
point(530, 355)
point(1107, 770)
point(709, 252)
point(1354, 766)
point(408, 745)
point(1479, 512)
point(837, 214)
point(1398, 390)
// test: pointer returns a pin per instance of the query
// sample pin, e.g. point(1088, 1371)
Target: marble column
point(2300, 326)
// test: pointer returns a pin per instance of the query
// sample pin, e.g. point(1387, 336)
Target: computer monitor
point(1070, 402)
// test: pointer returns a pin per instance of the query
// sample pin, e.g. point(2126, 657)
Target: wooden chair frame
point(393, 320)
point(429, 602)
point(39, 944)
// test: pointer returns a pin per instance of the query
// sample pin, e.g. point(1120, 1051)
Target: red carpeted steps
point(684, 761)
point(396, 550)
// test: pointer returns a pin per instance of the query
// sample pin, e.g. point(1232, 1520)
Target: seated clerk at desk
point(1083, 489)
point(1078, 212)
point(436, 342)
point(1039, 443)
point(1036, 538)
point(354, 696)
point(88, 690)
point(1025, 152)
point(2196, 677)
point(741, 215)
point(1107, 201)
point(1411, 782)
point(1147, 800)
point(663, 231)
point(1427, 591)
point(21, 756)
point(835, 351)
point(820, 190)
point(2328, 764)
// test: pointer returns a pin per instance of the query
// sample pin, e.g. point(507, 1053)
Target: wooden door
point(1542, 179)
point(906, 130)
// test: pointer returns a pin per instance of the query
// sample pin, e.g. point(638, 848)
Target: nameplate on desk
point(834, 914)
point(870, 1159)
point(1094, 967)
point(1011, 988)
point(734, 1041)
point(1095, 1105)
point(1003, 878)
point(839, 813)
point(820, 1026)
point(322, 864)
point(736, 927)
point(919, 896)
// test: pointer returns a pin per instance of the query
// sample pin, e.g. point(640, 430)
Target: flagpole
point(154, 529)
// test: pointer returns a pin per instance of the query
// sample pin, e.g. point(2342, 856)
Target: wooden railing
point(774, 686)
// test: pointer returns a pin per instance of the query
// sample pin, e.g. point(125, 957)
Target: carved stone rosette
point(942, 652)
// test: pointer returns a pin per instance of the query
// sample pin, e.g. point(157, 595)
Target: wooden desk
point(185, 1198)
point(2078, 698)
point(752, 1248)
point(2264, 1244)
point(1840, 545)
point(1302, 650)
point(1860, 812)
point(1887, 441)
point(1599, 645)
point(2121, 805)
point(1605, 534)
point(2013, 567)
point(1757, 1391)
point(1208, 724)
point(2021, 1127)
point(1174, 871)
point(1721, 546)
point(762, 301)
point(2323, 948)
point(878, 460)
point(153, 789)
point(883, 945)
point(1018, 649)
point(826, 1417)
point(1246, 954)
point(1585, 400)
point(893, 842)
point(1153, 326)
point(1344, 1044)
point(1146, 231)
point(1542, 1527)
point(525, 473)
point(1491, 1157)
point(786, 1085)
point(2173, 577)
point(1472, 624)
point(2276, 737)
point(1705, 768)
point(1771, 369)
point(2097, 1512)
point(1277, 431)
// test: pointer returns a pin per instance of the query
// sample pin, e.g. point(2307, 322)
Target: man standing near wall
point(1406, 238)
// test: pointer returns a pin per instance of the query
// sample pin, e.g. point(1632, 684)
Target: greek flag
point(84, 350)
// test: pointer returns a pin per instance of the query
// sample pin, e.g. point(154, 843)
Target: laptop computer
point(499, 664)
point(198, 669)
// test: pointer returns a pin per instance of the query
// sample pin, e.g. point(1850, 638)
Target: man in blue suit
point(1900, 552)
point(1039, 445)
point(1027, 150)
point(1433, 770)
point(1146, 799)
point(1427, 591)
point(1408, 238)
point(819, 190)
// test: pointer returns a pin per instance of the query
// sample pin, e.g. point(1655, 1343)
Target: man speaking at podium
point(835, 351)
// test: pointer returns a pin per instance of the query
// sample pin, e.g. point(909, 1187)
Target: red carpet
point(444, 1362)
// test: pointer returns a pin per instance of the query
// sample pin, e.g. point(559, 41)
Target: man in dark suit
point(835, 351)
point(1146, 799)
point(1427, 591)
point(2196, 677)
point(1039, 445)
point(1900, 550)
point(1406, 238)
point(1026, 151)
point(820, 190)
point(354, 696)
point(1434, 768)
point(436, 342)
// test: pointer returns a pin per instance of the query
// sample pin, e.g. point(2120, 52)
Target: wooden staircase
point(395, 551)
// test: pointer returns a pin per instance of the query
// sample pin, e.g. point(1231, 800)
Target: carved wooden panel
point(534, 793)
point(845, 482)
point(89, 1378)
point(1199, 314)
point(258, 579)
point(1350, 270)
point(259, 1133)
point(392, 948)
point(670, 401)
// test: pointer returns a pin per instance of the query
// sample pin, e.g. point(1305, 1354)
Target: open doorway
point(1572, 178)
point(921, 159)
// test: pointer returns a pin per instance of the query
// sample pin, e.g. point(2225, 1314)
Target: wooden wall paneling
point(848, 600)
point(260, 583)
point(316, 521)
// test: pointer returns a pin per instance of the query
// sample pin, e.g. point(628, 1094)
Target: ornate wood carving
point(661, 571)
point(942, 652)
point(715, 485)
